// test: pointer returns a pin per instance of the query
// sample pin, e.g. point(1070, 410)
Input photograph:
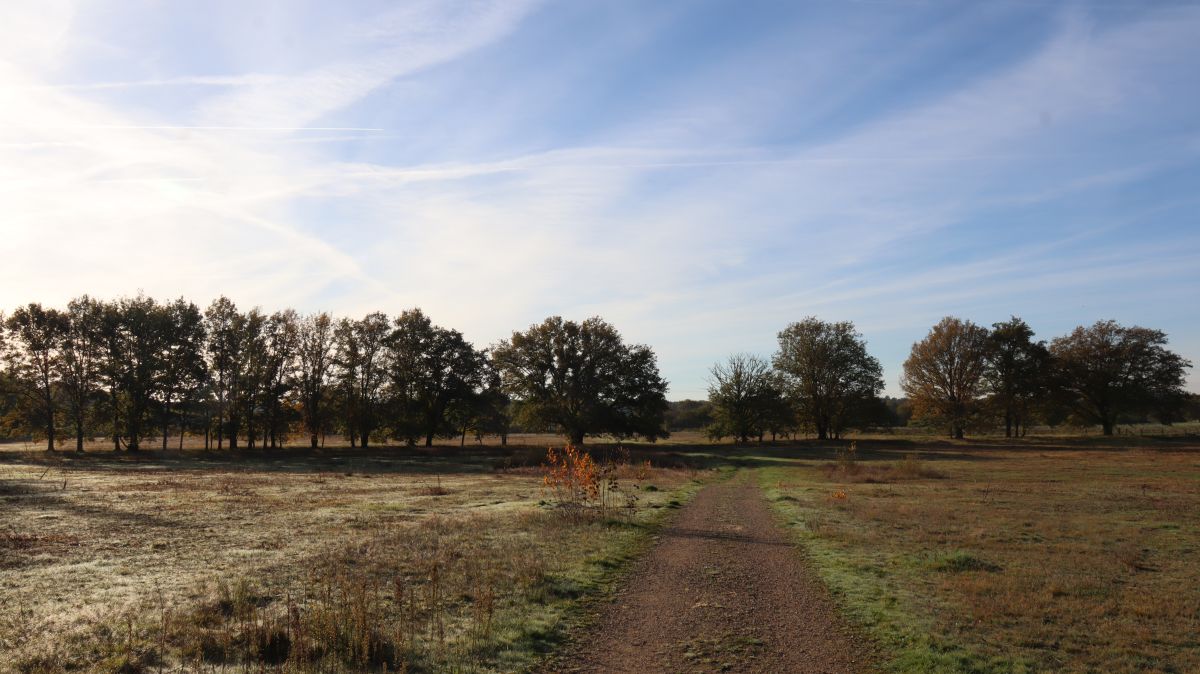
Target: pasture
point(1061, 555)
point(985, 555)
point(336, 561)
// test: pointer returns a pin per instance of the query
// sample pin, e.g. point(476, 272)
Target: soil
point(723, 590)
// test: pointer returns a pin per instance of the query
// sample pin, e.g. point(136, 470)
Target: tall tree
point(181, 362)
point(315, 359)
point(743, 391)
point(251, 378)
point(433, 371)
point(35, 342)
point(282, 344)
point(583, 379)
point(1016, 372)
point(82, 360)
point(943, 375)
point(1107, 370)
point(224, 354)
point(145, 328)
point(361, 356)
point(828, 373)
point(112, 367)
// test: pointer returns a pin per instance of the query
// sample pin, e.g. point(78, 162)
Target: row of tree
point(135, 367)
point(963, 374)
point(822, 379)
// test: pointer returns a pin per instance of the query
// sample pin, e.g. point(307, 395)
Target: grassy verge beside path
point(1007, 560)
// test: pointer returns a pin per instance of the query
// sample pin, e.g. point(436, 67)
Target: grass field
point(1042, 554)
point(990, 557)
point(342, 561)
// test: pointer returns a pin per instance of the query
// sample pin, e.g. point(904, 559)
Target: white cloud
point(671, 241)
point(409, 38)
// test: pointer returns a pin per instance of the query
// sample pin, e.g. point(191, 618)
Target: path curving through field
point(722, 590)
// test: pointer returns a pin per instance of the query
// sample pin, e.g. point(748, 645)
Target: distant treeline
point(960, 376)
point(136, 368)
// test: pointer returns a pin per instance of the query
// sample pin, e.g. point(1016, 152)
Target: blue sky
point(699, 172)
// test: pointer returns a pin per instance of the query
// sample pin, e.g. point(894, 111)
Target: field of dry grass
point(340, 561)
point(1064, 556)
point(1044, 554)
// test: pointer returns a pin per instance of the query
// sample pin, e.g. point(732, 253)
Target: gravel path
point(723, 590)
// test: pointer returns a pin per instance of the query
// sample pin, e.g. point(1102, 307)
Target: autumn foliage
point(579, 483)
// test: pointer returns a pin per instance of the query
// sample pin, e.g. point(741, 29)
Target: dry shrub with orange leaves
point(579, 484)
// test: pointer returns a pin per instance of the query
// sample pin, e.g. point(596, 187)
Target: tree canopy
point(1107, 369)
point(1015, 372)
point(943, 374)
point(582, 379)
point(744, 392)
point(828, 374)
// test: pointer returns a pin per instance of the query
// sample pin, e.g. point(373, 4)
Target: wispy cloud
point(416, 162)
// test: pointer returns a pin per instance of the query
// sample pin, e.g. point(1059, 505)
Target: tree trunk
point(576, 437)
point(366, 435)
point(504, 439)
point(429, 439)
point(313, 440)
point(1008, 425)
point(116, 419)
point(79, 438)
point(1108, 427)
point(463, 441)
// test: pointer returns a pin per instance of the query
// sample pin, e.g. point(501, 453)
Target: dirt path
point(723, 590)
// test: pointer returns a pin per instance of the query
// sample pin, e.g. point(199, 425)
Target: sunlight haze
point(700, 174)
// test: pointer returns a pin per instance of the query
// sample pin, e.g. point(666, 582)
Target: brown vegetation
point(1038, 556)
point(339, 561)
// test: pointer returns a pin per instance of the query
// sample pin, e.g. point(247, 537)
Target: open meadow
point(1062, 555)
point(987, 555)
point(342, 560)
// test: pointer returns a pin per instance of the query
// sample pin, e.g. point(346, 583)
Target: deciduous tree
point(743, 391)
point(182, 371)
point(361, 353)
point(433, 370)
point(31, 354)
point(224, 352)
point(828, 373)
point(81, 362)
point(1108, 369)
point(582, 379)
point(282, 342)
point(1016, 373)
point(943, 375)
point(315, 359)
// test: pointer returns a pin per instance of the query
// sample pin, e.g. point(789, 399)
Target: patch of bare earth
point(723, 590)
